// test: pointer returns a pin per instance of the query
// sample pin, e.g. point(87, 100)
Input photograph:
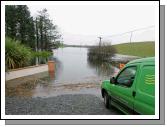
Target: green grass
point(141, 49)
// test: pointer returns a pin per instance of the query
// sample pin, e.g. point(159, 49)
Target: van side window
point(126, 77)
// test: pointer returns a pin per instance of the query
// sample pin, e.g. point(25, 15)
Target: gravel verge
point(77, 104)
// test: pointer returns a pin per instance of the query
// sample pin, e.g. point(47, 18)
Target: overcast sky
point(82, 24)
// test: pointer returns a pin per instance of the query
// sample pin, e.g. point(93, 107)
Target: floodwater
point(72, 65)
point(74, 73)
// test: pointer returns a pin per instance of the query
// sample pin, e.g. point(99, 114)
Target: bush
point(103, 52)
point(43, 54)
point(16, 54)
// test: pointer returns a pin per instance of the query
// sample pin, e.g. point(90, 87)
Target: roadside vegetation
point(18, 55)
point(29, 40)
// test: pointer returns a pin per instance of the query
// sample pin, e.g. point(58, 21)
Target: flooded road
point(74, 88)
point(35, 87)
point(74, 74)
point(73, 65)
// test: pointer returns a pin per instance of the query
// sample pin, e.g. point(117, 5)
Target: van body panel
point(139, 97)
point(145, 90)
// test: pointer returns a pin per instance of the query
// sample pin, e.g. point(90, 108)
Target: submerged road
point(69, 99)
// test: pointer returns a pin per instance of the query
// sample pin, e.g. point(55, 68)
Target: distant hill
point(142, 49)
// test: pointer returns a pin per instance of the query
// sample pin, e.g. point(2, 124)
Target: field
point(141, 49)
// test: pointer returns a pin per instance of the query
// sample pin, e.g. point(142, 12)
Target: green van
point(133, 89)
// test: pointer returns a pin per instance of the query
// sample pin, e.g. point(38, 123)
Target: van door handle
point(134, 93)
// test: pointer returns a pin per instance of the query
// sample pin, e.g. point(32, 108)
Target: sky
point(83, 24)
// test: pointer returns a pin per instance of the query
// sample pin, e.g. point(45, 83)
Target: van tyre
point(106, 100)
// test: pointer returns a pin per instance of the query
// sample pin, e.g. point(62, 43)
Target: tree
point(10, 21)
point(46, 31)
point(39, 33)
point(19, 24)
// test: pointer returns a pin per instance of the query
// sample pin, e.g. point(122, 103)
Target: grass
point(141, 49)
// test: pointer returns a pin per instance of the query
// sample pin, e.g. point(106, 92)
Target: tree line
point(38, 32)
point(28, 39)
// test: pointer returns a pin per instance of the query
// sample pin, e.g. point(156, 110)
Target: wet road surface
point(34, 96)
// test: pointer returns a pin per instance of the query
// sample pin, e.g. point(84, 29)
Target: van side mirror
point(112, 80)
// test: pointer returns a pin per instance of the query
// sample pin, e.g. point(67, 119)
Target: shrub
point(43, 54)
point(103, 52)
point(16, 54)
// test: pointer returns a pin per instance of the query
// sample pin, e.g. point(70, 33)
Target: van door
point(145, 91)
point(122, 92)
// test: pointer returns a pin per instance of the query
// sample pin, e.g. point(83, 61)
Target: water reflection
point(73, 65)
point(103, 68)
point(58, 68)
point(52, 75)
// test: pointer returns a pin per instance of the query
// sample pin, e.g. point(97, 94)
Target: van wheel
point(106, 100)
